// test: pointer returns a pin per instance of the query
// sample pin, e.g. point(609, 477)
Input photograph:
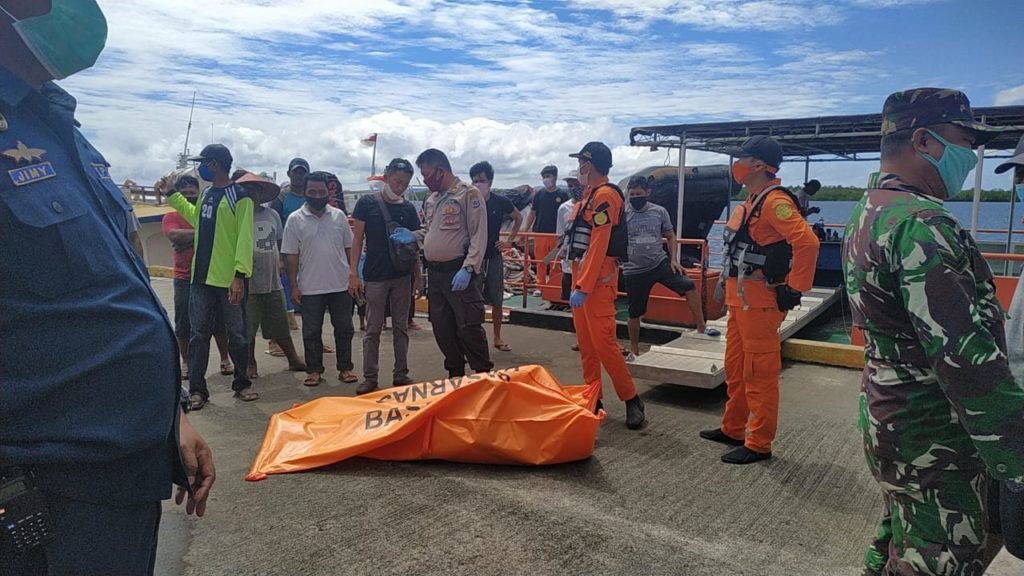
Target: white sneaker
point(630, 358)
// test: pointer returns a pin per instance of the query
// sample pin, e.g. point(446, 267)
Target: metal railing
point(526, 285)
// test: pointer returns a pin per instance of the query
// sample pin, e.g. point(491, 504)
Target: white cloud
point(511, 82)
point(1010, 96)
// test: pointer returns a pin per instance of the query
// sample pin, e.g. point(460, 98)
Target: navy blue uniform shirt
point(88, 360)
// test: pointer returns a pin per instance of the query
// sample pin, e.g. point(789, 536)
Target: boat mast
point(183, 157)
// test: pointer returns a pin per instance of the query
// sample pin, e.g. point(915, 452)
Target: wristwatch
point(468, 269)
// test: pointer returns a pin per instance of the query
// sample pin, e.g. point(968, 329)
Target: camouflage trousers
point(934, 522)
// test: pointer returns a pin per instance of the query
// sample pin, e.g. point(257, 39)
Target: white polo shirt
point(320, 242)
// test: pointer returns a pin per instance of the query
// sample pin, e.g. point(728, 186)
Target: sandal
point(347, 376)
point(503, 347)
point(274, 350)
point(196, 402)
point(247, 395)
point(227, 368)
point(709, 331)
point(328, 349)
point(313, 379)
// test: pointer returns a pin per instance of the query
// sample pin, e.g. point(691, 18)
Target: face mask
point(954, 165)
point(638, 202)
point(577, 193)
point(316, 204)
point(434, 181)
point(1020, 192)
point(585, 174)
point(205, 172)
point(483, 187)
point(68, 39)
point(740, 172)
point(549, 182)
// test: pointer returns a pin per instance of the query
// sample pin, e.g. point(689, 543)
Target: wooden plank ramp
point(698, 361)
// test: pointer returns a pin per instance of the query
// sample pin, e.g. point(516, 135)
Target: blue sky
point(521, 84)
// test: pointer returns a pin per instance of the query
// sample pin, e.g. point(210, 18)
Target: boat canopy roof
point(842, 137)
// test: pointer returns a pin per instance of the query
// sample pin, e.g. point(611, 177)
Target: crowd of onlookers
point(251, 256)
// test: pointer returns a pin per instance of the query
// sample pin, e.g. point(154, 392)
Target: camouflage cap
point(920, 107)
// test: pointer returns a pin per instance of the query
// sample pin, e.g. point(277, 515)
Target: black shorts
point(638, 287)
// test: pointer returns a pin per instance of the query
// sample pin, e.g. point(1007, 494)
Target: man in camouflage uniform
point(940, 412)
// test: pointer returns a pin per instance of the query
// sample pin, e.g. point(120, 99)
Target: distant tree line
point(836, 193)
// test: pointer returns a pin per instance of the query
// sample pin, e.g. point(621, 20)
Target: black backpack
point(403, 256)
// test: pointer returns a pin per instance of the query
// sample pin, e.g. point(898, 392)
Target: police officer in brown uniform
point(454, 239)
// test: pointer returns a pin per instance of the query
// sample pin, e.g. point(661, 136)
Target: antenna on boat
point(183, 157)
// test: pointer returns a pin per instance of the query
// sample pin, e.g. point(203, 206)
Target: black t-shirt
point(545, 206)
point(498, 208)
point(377, 267)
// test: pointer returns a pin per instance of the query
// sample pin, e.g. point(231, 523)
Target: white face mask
point(483, 187)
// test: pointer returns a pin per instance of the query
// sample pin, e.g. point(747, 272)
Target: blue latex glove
point(403, 236)
point(461, 280)
point(577, 298)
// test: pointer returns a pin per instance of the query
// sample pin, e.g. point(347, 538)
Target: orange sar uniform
point(753, 357)
point(597, 275)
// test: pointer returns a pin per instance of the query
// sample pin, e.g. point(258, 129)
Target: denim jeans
point(207, 304)
point(313, 309)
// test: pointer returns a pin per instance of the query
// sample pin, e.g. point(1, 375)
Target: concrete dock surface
point(653, 502)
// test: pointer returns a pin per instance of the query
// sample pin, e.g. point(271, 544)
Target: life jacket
point(580, 230)
point(744, 257)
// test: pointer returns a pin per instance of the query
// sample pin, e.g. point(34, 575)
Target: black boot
point(744, 455)
point(635, 413)
point(717, 435)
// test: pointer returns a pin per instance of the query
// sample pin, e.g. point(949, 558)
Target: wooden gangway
point(698, 361)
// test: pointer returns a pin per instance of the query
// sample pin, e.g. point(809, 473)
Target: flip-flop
point(347, 377)
point(312, 380)
point(224, 369)
point(247, 395)
point(328, 349)
point(503, 347)
point(275, 353)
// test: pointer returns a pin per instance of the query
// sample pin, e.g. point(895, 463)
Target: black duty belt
point(449, 266)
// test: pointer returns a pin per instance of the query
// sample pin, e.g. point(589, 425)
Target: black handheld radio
point(24, 520)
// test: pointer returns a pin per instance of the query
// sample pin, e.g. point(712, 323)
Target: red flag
point(370, 140)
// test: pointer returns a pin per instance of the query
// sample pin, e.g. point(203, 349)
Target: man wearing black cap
point(597, 240)
point(770, 258)
point(940, 411)
point(293, 193)
point(223, 219)
point(390, 271)
point(543, 217)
